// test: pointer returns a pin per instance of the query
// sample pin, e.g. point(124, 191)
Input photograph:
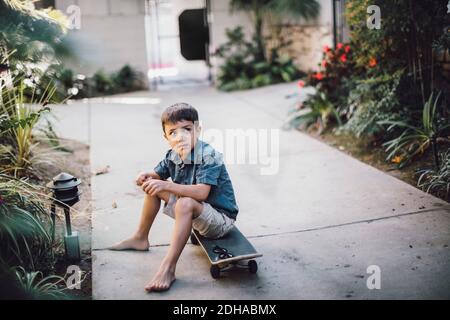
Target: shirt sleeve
point(209, 171)
point(162, 169)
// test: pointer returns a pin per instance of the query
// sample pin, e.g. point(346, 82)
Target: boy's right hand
point(142, 177)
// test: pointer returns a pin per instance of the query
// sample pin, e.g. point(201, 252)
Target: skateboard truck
point(215, 269)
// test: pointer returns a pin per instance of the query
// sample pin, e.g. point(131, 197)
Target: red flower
point(347, 49)
point(324, 63)
point(339, 45)
point(301, 83)
point(326, 48)
point(372, 62)
point(318, 76)
point(343, 58)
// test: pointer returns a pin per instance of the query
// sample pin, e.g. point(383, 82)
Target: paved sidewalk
point(320, 221)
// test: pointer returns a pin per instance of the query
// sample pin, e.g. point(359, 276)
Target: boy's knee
point(185, 204)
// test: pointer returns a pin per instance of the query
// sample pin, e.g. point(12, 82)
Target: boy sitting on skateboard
point(200, 194)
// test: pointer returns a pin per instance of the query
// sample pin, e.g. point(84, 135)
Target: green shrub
point(243, 67)
point(17, 124)
point(103, 83)
point(336, 67)
point(25, 227)
point(373, 100)
point(317, 110)
point(404, 41)
point(127, 79)
point(36, 286)
point(435, 180)
point(414, 140)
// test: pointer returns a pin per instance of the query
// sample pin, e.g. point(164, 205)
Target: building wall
point(112, 34)
point(309, 37)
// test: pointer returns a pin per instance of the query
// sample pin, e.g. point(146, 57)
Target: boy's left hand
point(153, 186)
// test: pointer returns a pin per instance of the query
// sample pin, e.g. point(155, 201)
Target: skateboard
point(228, 250)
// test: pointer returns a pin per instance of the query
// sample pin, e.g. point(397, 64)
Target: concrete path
point(320, 221)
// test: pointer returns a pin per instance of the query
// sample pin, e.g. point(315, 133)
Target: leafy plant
point(42, 288)
point(34, 34)
point(373, 100)
point(317, 110)
point(103, 83)
point(17, 124)
point(415, 140)
point(127, 79)
point(31, 40)
point(242, 69)
point(404, 41)
point(24, 233)
point(335, 76)
point(437, 180)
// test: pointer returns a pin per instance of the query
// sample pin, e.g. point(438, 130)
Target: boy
point(200, 195)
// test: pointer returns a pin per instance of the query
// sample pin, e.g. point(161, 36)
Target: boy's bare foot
point(162, 280)
point(131, 244)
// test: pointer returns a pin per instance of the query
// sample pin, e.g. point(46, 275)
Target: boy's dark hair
point(177, 112)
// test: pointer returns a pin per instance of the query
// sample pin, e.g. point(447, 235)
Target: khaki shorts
point(210, 223)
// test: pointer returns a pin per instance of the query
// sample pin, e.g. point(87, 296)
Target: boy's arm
point(144, 176)
point(154, 175)
point(198, 192)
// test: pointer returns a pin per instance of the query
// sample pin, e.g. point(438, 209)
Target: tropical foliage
point(388, 85)
point(31, 41)
point(242, 68)
point(251, 63)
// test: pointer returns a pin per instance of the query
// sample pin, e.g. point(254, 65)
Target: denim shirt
point(204, 165)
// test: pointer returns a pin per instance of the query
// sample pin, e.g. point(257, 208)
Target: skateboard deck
point(233, 247)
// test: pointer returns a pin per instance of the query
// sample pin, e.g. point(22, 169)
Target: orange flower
point(301, 83)
point(397, 159)
point(372, 62)
point(318, 76)
point(343, 58)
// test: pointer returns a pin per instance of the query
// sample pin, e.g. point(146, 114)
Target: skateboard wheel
point(252, 266)
point(194, 240)
point(215, 271)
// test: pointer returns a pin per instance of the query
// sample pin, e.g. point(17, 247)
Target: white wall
point(112, 34)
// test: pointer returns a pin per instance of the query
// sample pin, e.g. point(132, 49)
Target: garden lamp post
point(66, 194)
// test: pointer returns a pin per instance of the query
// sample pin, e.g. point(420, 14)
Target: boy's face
point(182, 136)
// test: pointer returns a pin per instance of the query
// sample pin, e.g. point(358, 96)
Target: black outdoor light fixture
point(66, 194)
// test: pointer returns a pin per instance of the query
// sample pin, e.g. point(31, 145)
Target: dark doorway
point(194, 34)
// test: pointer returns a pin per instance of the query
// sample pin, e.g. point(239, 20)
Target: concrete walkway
point(320, 222)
